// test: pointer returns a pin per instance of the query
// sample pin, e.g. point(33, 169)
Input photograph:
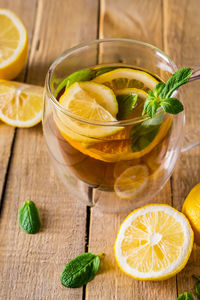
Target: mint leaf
point(80, 270)
point(177, 79)
point(152, 107)
point(158, 88)
point(143, 134)
point(126, 103)
point(172, 106)
point(185, 296)
point(197, 289)
point(29, 219)
point(82, 75)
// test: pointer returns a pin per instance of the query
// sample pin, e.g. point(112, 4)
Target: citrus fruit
point(92, 102)
point(117, 147)
point(132, 181)
point(191, 208)
point(127, 78)
point(20, 104)
point(14, 45)
point(154, 242)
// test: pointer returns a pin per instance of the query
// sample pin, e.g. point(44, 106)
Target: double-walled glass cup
point(83, 160)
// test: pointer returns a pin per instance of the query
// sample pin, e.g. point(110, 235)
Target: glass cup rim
point(89, 43)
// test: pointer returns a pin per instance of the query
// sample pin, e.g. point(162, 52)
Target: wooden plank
point(140, 20)
point(182, 44)
point(31, 265)
point(25, 10)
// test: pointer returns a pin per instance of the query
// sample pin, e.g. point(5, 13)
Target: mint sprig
point(161, 95)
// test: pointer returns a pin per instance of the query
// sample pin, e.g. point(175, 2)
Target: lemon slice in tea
point(154, 243)
point(127, 78)
point(92, 102)
point(131, 181)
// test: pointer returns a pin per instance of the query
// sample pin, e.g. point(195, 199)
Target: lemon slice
point(93, 102)
point(20, 104)
point(154, 243)
point(13, 45)
point(127, 78)
point(132, 181)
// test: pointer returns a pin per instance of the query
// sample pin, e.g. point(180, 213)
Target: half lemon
point(20, 104)
point(13, 45)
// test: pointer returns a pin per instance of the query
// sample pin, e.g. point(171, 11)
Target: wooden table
point(30, 265)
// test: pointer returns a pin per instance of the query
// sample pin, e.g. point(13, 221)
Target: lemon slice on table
point(131, 181)
point(13, 45)
point(20, 104)
point(127, 78)
point(92, 102)
point(154, 243)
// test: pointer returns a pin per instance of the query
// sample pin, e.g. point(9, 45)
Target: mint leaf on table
point(161, 95)
point(185, 296)
point(197, 289)
point(80, 270)
point(144, 133)
point(126, 103)
point(29, 219)
point(197, 285)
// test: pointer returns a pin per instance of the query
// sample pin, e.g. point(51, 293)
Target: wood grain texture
point(182, 43)
point(31, 265)
point(140, 20)
point(26, 11)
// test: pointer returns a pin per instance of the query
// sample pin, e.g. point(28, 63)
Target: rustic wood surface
point(31, 265)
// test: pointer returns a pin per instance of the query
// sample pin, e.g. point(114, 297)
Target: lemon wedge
point(13, 45)
point(154, 243)
point(89, 101)
point(20, 104)
point(127, 78)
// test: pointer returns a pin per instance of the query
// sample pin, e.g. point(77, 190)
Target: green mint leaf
point(29, 219)
point(143, 134)
point(158, 88)
point(126, 103)
point(177, 79)
point(197, 289)
point(152, 107)
point(196, 277)
point(185, 296)
point(172, 106)
point(80, 270)
point(83, 75)
point(103, 70)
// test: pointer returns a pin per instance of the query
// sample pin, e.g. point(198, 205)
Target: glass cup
point(85, 163)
